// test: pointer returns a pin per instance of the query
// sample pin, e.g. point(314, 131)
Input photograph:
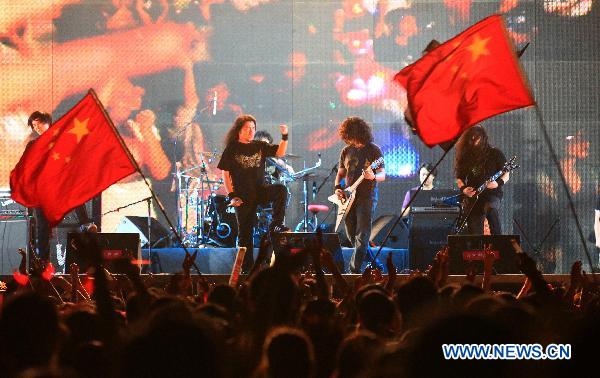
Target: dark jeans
point(485, 208)
point(246, 217)
point(358, 229)
point(42, 234)
point(42, 230)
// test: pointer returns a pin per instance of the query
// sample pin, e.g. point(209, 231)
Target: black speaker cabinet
point(114, 246)
point(13, 235)
point(71, 223)
point(467, 251)
point(428, 234)
point(398, 238)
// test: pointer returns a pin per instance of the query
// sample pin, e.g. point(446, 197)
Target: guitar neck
point(493, 178)
point(353, 187)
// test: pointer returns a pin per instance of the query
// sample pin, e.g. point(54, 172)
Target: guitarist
point(355, 160)
point(474, 163)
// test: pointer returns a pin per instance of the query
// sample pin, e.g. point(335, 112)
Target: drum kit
point(203, 215)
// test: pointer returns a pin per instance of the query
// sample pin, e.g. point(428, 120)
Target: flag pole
point(139, 170)
point(565, 186)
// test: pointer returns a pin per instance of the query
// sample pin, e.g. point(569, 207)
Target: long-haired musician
point(243, 166)
point(475, 162)
point(355, 160)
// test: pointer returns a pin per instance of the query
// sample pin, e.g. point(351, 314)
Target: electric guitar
point(344, 204)
point(467, 203)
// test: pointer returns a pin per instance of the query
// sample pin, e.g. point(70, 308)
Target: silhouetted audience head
point(287, 352)
point(357, 353)
point(29, 331)
point(223, 295)
point(415, 297)
point(377, 313)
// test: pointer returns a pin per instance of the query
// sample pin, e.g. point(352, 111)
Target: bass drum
point(224, 224)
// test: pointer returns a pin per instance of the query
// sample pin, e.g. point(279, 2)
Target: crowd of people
point(285, 320)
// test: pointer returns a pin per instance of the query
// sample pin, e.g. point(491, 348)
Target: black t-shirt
point(245, 162)
point(354, 160)
point(476, 174)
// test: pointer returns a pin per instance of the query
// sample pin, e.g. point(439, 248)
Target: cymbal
point(307, 174)
point(291, 156)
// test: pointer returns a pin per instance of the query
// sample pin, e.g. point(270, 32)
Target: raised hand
point(283, 128)
point(369, 174)
point(469, 191)
point(392, 273)
point(188, 261)
point(236, 201)
point(488, 261)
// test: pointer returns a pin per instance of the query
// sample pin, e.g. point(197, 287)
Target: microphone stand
point(149, 201)
point(333, 170)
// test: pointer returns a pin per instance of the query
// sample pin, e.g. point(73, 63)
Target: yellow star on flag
point(67, 159)
point(56, 156)
point(50, 145)
point(80, 129)
point(477, 47)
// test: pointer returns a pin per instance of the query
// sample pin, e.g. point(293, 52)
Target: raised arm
point(284, 141)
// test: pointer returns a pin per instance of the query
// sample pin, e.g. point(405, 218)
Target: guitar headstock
point(510, 165)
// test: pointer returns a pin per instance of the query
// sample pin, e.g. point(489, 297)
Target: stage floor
point(220, 260)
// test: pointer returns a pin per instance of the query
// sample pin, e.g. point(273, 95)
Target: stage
point(216, 261)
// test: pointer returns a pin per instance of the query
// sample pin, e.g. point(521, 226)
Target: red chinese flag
point(75, 159)
point(467, 79)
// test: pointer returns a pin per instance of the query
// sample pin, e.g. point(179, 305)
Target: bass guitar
point(344, 204)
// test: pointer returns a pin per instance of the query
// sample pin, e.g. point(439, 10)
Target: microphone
point(215, 103)
point(314, 190)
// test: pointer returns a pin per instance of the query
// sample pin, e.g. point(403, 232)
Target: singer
point(243, 166)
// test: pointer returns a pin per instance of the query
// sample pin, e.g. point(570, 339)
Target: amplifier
point(435, 210)
point(428, 234)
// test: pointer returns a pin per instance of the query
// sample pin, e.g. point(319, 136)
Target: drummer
point(276, 169)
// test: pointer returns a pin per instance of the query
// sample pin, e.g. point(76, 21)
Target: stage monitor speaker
point(468, 251)
point(114, 246)
point(428, 234)
point(13, 235)
point(133, 224)
point(398, 238)
point(295, 241)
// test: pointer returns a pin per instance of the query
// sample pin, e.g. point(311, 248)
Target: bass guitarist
point(355, 161)
point(474, 163)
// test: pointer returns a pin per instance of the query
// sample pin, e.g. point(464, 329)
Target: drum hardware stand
point(201, 238)
point(305, 174)
point(179, 173)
